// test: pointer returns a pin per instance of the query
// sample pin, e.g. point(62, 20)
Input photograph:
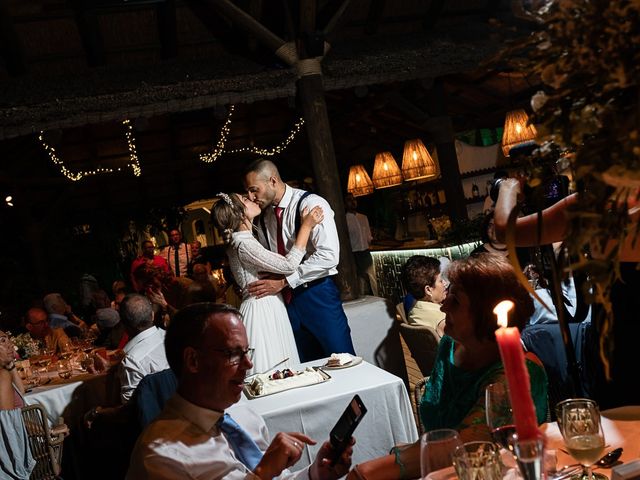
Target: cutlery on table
point(265, 371)
point(608, 460)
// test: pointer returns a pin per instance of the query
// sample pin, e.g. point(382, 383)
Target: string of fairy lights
point(134, 161)
point(267, 152)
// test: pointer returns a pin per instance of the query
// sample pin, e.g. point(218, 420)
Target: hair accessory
point(228, 230)
point(226, 198)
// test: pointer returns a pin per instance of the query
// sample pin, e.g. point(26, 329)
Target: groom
point(313, 301)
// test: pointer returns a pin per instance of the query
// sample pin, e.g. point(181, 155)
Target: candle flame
point(501, 311)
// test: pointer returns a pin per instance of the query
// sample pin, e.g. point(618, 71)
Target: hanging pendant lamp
point(386, 172)
point(416, 161)
point(517, 131)
point(359, 182)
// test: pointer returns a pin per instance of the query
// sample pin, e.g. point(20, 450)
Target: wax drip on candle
point(502, 310)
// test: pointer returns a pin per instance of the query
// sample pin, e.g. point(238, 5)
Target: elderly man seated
point(203, 432)
point(61, 316)
point(53, 339)
point(143, 354)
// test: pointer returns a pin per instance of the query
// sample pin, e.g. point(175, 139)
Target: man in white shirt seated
point(143, 354)
point(208, 350)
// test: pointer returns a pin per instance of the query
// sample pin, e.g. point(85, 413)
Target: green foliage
point(587, 56)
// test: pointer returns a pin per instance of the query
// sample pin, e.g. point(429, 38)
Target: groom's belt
point(301, 288)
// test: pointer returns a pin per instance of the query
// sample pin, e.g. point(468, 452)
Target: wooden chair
point(419, 347)
point(418, 393)
point(45, 443)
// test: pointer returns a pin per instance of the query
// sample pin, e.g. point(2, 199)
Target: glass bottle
point(475, 191)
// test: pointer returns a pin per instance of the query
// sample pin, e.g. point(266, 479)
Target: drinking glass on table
point(499, 415)
point(436, 450)
point(478, 461)
point(64, 369)
point(581, 430)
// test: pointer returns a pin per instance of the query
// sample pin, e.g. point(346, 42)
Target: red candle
point(508, 338)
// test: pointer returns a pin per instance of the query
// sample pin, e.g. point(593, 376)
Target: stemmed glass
point(581, 430)
point(436, 450)
point(499, 415)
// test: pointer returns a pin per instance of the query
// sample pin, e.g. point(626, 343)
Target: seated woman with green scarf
point(468, 360)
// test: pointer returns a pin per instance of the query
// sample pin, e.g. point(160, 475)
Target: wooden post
point(325, 170)
point(447, 157)
point(314, 107)
point(323, 156)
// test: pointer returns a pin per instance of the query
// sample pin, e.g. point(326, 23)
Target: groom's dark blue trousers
point(318, 321)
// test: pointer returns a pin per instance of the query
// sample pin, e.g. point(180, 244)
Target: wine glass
point(436, 450)
point(583, 436)
point(64, 370)
point(499, 415)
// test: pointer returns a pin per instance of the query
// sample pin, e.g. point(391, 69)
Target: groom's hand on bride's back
point(269, 284)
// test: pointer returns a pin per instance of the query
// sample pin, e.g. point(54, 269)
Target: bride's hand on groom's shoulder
point(312, 217)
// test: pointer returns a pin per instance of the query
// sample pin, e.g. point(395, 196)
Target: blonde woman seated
point(468, 360)
point(265, 318)
point(421, 278)
point(11, 388)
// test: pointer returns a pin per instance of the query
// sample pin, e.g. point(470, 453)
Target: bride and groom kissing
point(291, 306)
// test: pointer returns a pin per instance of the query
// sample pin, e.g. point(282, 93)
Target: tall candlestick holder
point(530, 457)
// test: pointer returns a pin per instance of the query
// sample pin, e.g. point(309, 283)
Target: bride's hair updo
point(227, 215)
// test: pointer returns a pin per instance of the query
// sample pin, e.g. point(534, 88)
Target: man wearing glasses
point(53, 339)
point(203, 432)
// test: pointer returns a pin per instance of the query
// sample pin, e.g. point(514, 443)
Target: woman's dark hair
point(187, 330)
point(227, 215)
point(487, 279)
point(419, 272)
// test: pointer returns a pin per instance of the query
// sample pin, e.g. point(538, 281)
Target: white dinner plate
point(352, 363)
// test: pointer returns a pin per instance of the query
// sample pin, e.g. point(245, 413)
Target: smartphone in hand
point(341, 433)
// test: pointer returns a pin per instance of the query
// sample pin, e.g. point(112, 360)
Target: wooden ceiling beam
point(434, 12)
point(89, 29)
point(167, 28)
point(11, 49)
point(374, 16)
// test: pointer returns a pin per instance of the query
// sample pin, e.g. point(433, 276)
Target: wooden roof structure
point(75, 69)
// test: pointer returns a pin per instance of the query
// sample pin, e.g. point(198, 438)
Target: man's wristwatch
point(11, 366)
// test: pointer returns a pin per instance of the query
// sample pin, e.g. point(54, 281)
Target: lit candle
point(508, 338)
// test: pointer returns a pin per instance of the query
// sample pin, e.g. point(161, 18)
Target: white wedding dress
point(265, 318)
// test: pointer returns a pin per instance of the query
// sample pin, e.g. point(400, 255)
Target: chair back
point(545, 341)
point(152, 393)
point(423, 345)
point(46, 447)
point(418, 393)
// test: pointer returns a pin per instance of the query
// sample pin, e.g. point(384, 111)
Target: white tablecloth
point(315, 409)
point(374, 333)
point(72, 399)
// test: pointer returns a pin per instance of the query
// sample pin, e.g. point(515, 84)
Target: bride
point(265, 318)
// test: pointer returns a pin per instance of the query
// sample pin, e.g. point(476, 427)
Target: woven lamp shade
point(359, 182)
point(517, 131)
point(416, 161)
point(386, 172)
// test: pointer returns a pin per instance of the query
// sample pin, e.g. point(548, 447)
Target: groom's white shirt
point(323, 247)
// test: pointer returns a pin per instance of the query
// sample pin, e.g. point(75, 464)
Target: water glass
point(478, 461)
point(436, 450)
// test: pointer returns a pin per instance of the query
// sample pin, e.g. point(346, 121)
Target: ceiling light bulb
point(8, 199)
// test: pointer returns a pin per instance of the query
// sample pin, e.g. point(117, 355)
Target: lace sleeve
point(252, 253)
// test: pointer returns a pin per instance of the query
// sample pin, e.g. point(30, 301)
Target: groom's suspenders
point(298, 221)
